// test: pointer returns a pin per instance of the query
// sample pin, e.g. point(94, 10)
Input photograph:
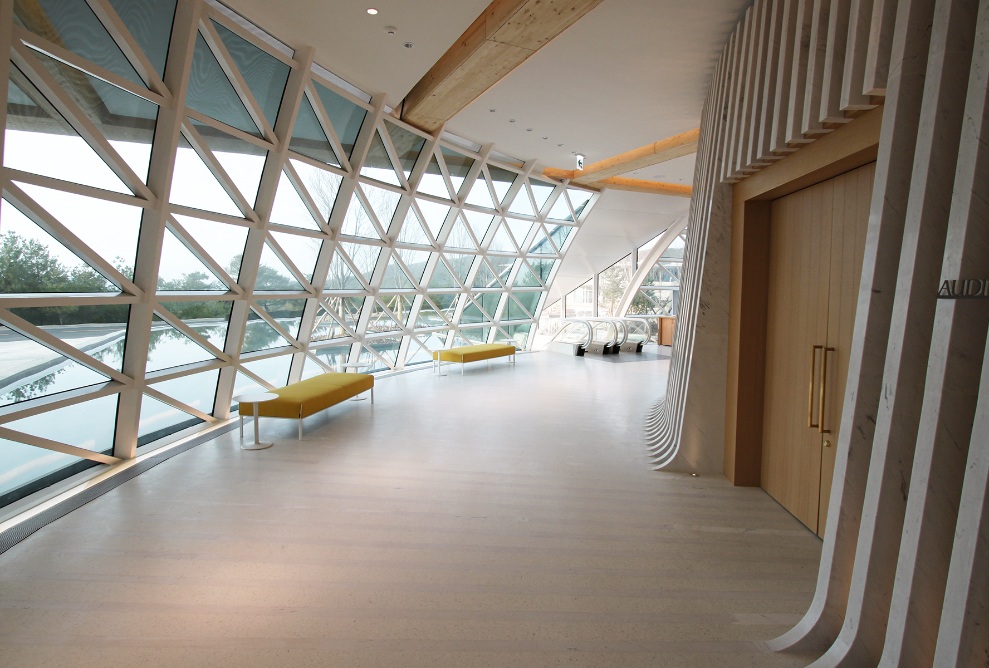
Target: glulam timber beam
point(644, 186)
point(498, 41)
point(663, 150)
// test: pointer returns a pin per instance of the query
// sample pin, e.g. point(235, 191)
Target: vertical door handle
point(810, 392)
point(824, 389)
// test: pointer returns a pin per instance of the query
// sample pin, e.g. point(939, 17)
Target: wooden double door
point(817, 241)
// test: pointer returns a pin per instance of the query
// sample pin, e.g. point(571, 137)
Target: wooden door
point(817, 240)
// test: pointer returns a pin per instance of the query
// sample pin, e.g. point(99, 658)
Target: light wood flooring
point(508, 517)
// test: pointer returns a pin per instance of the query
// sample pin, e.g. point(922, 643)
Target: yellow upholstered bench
point(464, 354)
point(302, 399)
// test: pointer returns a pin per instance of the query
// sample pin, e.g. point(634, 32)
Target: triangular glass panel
point(442, 278)
point(541, 190)
point(346, 116)
point(150, 23)
point(503, 180)
point(33, 261)
point(323, 186)
point(308, 137)
point(273, 274)
point(560, 234)
point(242, 161)
point(387, 348)
point(543, 269)
point(479, 223)
point(75, 27)
point(472, 314)
point(381, 320)
point(158, 420)
point(560, 209)
point(209, 319)
point(195, 186)
point(458, 165)
point(109, 228)
point(196, 391)
point(332, 356)
point(412, 231)
point(31, 150)
point(446, 304)
point(408, 146)
point(259, 335)
point(514, 311)
point(529, 301)
point(357, 222)
point(30, 370)
point(520, 230)
point(286, 312)
point(126, 120)
point(489, 302)
point(211, 93)
point(341, 276)
point(180, 270)
point(400, 306)
point(519, 334)
point(88, 425)
point(521, 204)
point(579, 199)
point(224, 243)
point(273, 370)
point(395, 277)
point(65, 322)
point(383, 203)
point(459, 236)
point(419, 352)
point(479, 193)
point(502, 267)
point(168, 347)
point(265, 75)
point(502, 241)
point(460, 264)
point(485, 277)
point(429, 317)
point(476, 335)
point(378, 164)
point(433, 182)
point(540, 244)
point(363, 257)
point(333, 311)
point(435, 214)
point(302, 251)
point(459, 340)
point(414, 260)
point(525, 278)
point(289, 209)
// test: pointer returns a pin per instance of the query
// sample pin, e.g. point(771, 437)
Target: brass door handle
point(824, 386)
point(810, 392)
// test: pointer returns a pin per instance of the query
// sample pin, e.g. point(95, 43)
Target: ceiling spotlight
point(492, 110)
point(372, 11)
point(391, 30)
point(560, 145)
point(528, 129)
point(511, 120)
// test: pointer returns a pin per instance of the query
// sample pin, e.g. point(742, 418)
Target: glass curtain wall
point(189, 211)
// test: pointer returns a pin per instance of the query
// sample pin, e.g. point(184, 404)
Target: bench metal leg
point(372, 395)
point(300, 429)
point(242, 426)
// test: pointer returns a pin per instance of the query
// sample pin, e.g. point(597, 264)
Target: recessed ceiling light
point(409, 45)
point(372, 11)
point(511, 120)
point(492, 110)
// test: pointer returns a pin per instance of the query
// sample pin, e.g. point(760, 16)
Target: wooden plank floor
point(508, 517)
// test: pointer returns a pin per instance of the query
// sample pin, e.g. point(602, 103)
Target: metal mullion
point(299, 231)
point(366, 134)
point(229, 21)
point(175, 403)
point(268, 185)
point(11, 175)
point(60, 53)
point(303, 191)
point(307, 356)
point(264, 315)
point(472, 174)
point(326, 307)
point(149, 247)
point(128, 45)
point(287, 261)
point(429, 149)
point(180, 325)
point(393, 155)
point(237, 133)
point(80, 122)
point(65, 299)
point(240, 84)
point(338, 171)
point(219, 173)
point(56, 401)
point(434, 244)
point(181, 371)
point(40, 217)
point(193, 246)
point(182, 210)
point(57, 446)
point(379, 228)
point(6, 40)
point(192, 296)
point(36, 333)
point(323, 118)
point(253, 376)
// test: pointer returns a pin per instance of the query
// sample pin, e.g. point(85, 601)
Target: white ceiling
point(629, 73)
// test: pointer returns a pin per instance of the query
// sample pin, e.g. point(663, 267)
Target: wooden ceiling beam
point(499, 40)
point(676, 146)
point(643, 186)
